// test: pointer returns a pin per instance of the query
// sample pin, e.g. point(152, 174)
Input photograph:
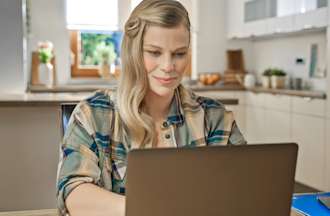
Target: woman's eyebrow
point(157, 47)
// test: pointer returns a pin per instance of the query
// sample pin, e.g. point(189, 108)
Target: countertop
point(39, 96)
point(53, 212)
point(198, 87)
point(50, 99)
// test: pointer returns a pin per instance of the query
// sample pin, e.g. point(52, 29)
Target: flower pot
point(278, 82)
point(265, 81)
point(46, 74)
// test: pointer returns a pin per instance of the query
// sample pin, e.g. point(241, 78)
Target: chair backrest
point(66, 111)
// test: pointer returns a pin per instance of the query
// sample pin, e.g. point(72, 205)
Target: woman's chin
point(163, 91)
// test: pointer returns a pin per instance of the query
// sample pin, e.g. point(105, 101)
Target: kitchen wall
point(13, 78)
point(48, 22)
point(211, 38)
point(282, 52)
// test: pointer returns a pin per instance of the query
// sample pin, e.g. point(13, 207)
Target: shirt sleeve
point(78, 156)
point(221, 127)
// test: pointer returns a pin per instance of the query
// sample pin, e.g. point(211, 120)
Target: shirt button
point(165, 125)
point(167, 136)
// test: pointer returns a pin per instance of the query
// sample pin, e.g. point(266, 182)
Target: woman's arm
point(89, 199)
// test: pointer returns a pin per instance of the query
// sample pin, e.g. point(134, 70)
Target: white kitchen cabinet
point(281, 118)
point(235, 18)
point(255, 28)
point(311, 19)
point(255, 125)
point(327, 164)
point(277, 126)
point(280, 25)
point(309, 133)
point(286, 8)
point(291, 16)
point(255, 99)
point(309, 106)
point(277, 102)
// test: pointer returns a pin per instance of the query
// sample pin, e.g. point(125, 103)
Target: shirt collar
point(184, 100)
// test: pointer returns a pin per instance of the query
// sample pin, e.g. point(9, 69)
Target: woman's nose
point(168, 65)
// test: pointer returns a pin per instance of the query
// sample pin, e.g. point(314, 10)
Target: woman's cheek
point(149, 63)
point(181, 66)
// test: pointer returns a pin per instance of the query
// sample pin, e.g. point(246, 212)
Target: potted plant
point(106, 55)
point(265, 79)
point(46, 69)
point(278, 78)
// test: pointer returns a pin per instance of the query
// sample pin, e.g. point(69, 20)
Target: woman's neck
point(158, 106)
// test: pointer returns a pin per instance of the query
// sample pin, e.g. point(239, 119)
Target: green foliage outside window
point(97, 49)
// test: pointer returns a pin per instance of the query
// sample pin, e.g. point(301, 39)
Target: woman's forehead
point(163, 37)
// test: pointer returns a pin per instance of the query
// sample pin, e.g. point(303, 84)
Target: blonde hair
point(133, 82)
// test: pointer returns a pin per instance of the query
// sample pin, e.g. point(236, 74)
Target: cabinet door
point(235, 12)
point(311, 19)
point(327, 168)
point(277, 126)
point(278, 102)
point(309, 133)
point(255, 28)
point(255, 125)
point(309, 106)
point(278, 25)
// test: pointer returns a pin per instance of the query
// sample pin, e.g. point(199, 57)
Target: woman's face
point(165, 53)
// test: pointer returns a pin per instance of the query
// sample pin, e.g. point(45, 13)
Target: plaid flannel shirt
point(94, 148)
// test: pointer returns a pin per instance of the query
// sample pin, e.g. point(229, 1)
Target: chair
point(66, 111)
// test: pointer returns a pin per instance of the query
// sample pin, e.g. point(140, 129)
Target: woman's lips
point(164, 80)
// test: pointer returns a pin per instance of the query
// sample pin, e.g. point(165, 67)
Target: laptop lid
point(229, 180)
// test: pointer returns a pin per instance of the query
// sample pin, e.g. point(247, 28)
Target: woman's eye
point(180, 54)
point(154, 53)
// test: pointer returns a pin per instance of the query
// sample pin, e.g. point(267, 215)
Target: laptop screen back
point(251, 180)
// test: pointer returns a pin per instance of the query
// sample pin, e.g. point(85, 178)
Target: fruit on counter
point(209, 78)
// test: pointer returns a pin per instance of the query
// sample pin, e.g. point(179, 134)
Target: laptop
point(249, 180)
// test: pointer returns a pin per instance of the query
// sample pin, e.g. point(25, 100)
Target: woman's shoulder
point(210, 103)
point(104, 99)
point(99, 100)
point(192, 99)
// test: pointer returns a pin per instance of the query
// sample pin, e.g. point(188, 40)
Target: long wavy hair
point(133, 81)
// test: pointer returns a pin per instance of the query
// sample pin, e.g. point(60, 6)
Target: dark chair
point(66, 111)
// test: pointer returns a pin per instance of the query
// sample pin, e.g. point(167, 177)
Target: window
point(94, 29)
point(94, 35)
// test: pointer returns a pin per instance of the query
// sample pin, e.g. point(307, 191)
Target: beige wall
point(29, 144)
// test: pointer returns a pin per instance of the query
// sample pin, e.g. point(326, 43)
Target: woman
point(149, 109)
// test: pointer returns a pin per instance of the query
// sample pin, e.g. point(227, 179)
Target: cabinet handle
point(308, 99)
point(306, 27)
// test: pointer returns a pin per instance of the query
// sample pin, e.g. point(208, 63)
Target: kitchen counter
point(197, 88)
point(49, 99)
point(39, 95)
point(41, 99)
point(299, 93)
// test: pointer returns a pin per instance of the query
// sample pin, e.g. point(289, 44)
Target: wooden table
point(53, 212)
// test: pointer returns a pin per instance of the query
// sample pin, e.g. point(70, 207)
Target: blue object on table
point(308, 204)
